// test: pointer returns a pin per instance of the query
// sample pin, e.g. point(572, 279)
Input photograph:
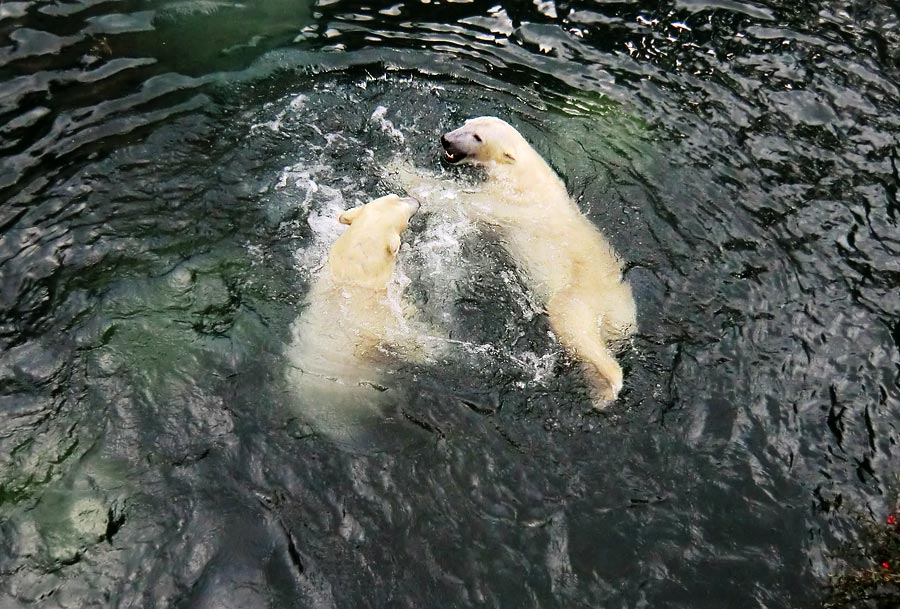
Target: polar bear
point(572, 269)
point(353, 326)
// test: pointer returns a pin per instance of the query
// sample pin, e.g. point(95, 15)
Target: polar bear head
point(364, 255)
point(506, 157)
point(484, 140)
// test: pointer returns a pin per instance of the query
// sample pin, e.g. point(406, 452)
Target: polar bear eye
point(477, 137)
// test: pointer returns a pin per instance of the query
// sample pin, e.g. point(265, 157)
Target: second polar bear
point(571, 267)
point(352, 327)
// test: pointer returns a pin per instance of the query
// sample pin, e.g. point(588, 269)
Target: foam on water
point(387, 126)
point(275, 124)
point(311, 191)
point(436, 252)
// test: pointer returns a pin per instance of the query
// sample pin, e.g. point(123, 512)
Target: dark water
point(169, 172)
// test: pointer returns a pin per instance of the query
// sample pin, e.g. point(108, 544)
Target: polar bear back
point(552, 241)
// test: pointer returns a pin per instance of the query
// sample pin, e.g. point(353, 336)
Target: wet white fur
point(353, 325)
point(570, 266)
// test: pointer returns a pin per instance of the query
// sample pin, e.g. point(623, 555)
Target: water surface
point(171, 173)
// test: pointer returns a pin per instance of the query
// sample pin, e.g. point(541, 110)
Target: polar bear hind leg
point(577, 326)
point(619, 317)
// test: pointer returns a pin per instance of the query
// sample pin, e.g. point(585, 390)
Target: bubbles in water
point(378, 117)
point(275, 125)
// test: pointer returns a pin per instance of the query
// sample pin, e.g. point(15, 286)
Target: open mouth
point(451, 155)
point(454, 157)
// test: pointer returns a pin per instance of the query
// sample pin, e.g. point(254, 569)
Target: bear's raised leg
point(577, 325)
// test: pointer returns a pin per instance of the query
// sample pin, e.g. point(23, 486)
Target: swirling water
point(170, 176)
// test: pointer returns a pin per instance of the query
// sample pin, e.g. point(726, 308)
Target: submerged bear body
point(352, 326)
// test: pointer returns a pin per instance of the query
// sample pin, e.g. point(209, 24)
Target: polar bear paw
point(605, 378)
point(602, 397)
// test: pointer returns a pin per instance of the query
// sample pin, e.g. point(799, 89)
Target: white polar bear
point(352, 325)
point(573, 270)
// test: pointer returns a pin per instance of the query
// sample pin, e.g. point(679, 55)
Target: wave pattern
point(169, 176)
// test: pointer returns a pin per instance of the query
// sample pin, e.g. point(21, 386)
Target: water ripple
point(170, 175)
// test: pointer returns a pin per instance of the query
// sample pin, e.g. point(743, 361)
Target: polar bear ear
point(394, 244)
point(348, 216)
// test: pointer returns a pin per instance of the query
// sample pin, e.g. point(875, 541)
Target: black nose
point(444, 141)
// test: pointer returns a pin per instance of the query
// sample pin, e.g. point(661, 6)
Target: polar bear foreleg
point(577, 325)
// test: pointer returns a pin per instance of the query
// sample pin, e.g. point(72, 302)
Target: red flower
point(892, 520)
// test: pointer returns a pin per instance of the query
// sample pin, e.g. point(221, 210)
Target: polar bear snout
point(453, 152)
point(409, 204)
point(412, 204)
point(482, 140)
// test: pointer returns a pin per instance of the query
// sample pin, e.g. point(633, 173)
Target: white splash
point(387, 126)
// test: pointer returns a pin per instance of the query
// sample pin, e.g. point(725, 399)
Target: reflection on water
point(168, 178)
